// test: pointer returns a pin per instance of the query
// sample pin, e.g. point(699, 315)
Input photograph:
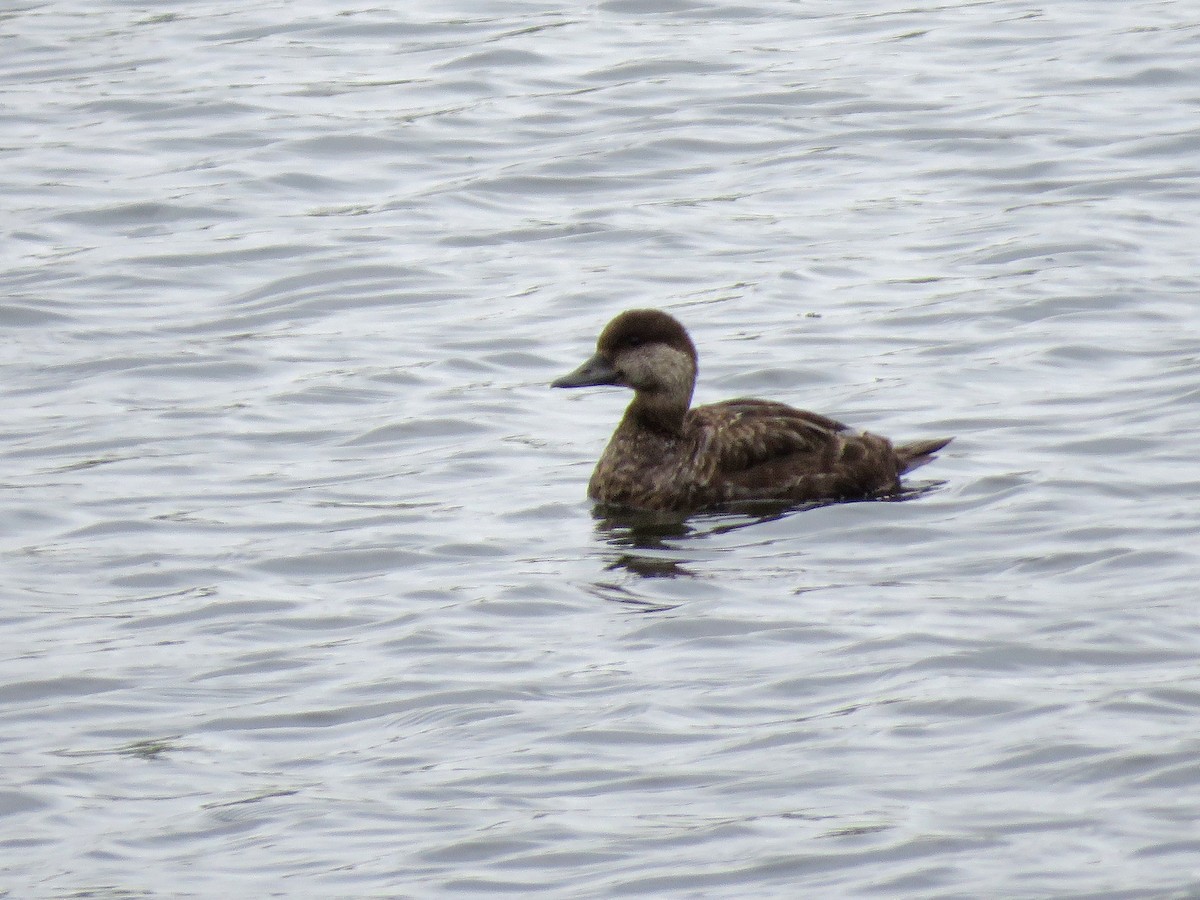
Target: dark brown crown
point(636, 327)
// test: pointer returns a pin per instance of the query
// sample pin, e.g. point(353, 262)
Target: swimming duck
point(667, 455)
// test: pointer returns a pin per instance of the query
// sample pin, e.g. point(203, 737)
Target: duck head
point(650, 352)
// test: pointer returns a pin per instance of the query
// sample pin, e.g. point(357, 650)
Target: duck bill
point(596, 371)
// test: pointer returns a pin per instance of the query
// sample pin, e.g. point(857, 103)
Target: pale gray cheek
point(675, 372)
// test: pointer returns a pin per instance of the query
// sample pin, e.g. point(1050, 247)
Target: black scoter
point(667, 456)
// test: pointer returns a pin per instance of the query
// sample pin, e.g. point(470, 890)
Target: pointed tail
point(918, 453)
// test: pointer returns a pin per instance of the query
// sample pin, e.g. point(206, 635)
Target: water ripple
point(301, 575)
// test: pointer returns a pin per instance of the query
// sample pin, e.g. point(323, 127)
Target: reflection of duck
point(663, 544)
point(665, 456)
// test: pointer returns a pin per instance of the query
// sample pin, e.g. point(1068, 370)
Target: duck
point(669, 456)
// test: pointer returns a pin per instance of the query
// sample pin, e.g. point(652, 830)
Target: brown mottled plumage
point(665, 456)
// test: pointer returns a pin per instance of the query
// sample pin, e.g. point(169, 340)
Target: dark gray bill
point(595, 371)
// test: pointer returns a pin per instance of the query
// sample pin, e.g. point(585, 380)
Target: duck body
point(665, 455)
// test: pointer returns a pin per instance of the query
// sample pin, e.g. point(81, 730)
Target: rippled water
point(302, 592)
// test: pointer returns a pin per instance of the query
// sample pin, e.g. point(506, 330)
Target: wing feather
point(758, 448)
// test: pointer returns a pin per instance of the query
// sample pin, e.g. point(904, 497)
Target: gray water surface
point(303, 596)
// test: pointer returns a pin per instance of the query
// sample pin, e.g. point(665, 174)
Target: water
point(302, 593)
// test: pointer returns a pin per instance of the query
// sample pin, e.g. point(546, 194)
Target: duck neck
point(657, 411)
